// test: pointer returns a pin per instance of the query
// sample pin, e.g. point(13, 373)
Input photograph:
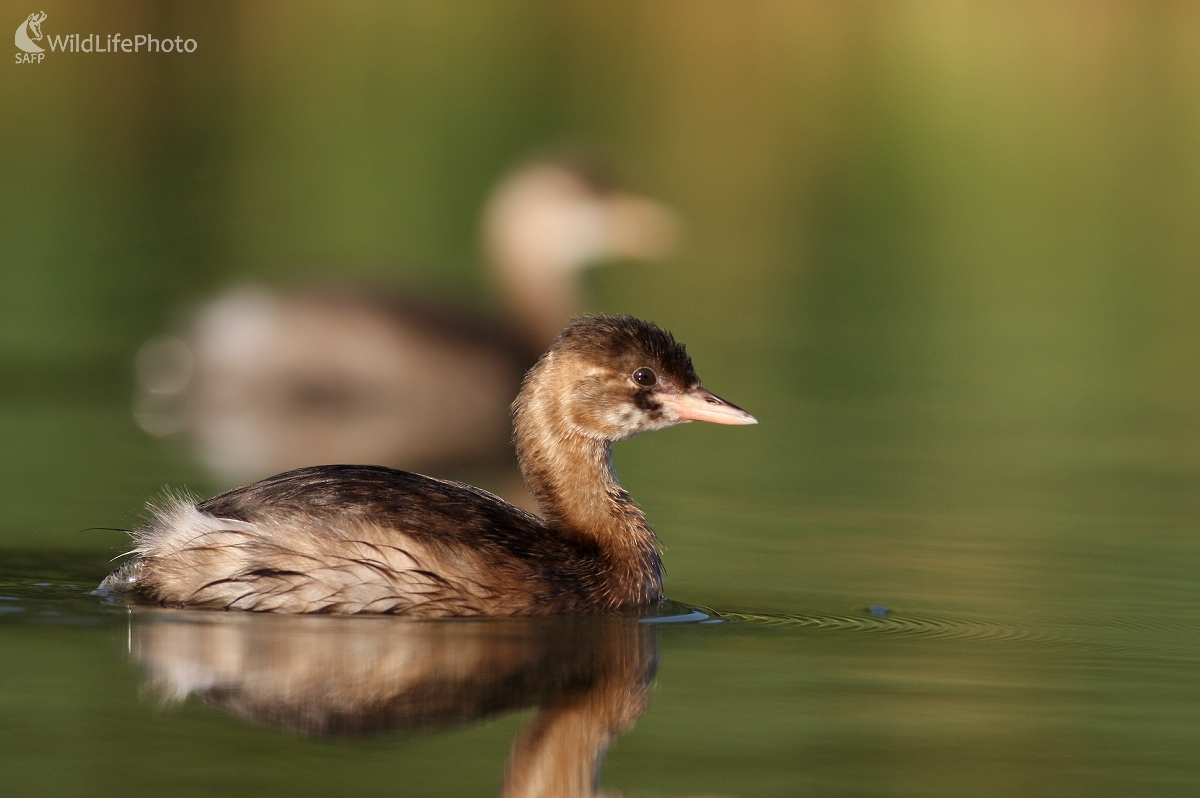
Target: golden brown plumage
point(360, 539)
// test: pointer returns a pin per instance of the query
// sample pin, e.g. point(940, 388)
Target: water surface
point(847, 646)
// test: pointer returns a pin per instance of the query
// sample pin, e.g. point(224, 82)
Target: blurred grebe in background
point(368, 539)
point(267, 380)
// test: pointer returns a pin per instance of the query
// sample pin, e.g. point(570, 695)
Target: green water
point(946, 253)
point(1041, 637)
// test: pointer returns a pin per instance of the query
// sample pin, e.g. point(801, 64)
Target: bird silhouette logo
point(30, 31)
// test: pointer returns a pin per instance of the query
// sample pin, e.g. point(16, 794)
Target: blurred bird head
point(548, 221)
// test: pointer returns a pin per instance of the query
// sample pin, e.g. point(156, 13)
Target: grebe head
point(618, 376)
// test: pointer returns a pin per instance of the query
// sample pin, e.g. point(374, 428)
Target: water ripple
point(38, 596)
point(911, 624)
point(1133, 635)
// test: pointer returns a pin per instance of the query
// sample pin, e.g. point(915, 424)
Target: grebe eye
point(645, 377)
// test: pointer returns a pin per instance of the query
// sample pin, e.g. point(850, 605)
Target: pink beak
point(701, 405)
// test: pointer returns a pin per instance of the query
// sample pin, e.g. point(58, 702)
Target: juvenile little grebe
point(368, 539)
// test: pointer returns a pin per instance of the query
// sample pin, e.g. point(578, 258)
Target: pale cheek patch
point(625, 420)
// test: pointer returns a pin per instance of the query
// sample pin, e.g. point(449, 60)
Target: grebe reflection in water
point(361, 539)
point(587, 677)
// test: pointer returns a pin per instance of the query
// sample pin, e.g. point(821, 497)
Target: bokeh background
point(947, 252)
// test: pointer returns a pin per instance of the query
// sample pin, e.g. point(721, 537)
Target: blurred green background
point(962, 234)
point(947, 252)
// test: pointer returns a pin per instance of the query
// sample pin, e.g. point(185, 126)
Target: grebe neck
point(570, 475)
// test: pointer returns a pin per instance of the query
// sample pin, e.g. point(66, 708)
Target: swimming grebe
point(267, 380)
point(369, 539)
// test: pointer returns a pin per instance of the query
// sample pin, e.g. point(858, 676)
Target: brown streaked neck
point(571, 477)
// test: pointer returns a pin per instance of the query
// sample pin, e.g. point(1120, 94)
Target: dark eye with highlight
point(645, 377)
